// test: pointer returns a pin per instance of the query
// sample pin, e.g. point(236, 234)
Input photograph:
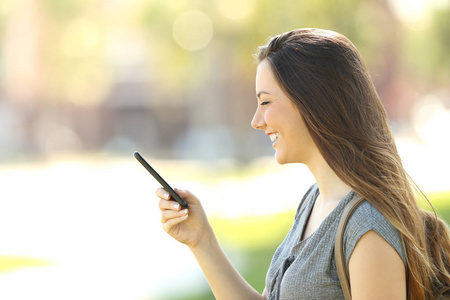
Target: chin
point(281, 159)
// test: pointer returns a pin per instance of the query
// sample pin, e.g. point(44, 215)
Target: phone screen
point(165, 185)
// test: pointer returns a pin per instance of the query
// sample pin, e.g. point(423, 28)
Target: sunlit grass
point(441, 203)
point(12, 263)
point(253, 232)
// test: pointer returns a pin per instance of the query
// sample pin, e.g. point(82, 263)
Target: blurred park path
point(95, 224)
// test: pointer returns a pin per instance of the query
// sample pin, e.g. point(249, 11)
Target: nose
point(258, 120)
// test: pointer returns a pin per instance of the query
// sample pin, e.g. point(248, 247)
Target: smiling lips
point(273, 137)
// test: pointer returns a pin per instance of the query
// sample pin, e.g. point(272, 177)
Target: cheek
point(295, 131)
point(270, 116)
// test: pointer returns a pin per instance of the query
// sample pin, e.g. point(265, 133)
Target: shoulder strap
point(339, 256)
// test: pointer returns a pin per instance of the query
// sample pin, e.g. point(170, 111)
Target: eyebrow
point(262, 92)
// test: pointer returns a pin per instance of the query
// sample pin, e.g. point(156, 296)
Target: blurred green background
point(84, 84)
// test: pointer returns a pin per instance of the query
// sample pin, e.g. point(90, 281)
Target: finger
point(162, 193)
point(168, 204)
point(187, 195)
point(183, 193)
point(168, 215)
point(168, 226)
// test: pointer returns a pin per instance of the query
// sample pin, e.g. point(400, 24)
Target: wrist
point(207, 242)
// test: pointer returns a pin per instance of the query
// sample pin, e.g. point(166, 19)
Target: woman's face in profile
point(280, 119)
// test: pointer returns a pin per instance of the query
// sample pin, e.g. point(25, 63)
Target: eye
point(264, 103)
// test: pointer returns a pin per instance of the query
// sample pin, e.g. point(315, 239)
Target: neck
point(331, 187)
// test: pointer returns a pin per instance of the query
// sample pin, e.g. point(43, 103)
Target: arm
point(193, 229)
point(376, 270)
point(224, 280)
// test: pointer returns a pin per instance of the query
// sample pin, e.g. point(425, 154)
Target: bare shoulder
point(376, 270)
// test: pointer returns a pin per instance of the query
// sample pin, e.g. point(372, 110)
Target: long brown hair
point(323, 73)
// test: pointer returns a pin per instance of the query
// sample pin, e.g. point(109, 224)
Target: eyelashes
point(264, 103)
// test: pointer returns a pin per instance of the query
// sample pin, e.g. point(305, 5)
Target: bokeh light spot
point(431, 120)
point(193, 30)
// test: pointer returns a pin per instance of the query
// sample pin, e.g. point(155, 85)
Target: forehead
point(267, 84)
point(265, 79)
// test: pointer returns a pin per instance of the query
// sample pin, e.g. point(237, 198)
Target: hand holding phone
point(165, 185)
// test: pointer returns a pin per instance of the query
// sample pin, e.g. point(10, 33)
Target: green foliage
point(426, 49)
point(372, 26)
point(441, 37)
point(63, 10)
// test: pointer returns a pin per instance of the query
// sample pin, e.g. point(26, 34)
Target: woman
point(319, 107)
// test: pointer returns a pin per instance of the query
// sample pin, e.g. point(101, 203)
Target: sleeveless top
point(307, 269)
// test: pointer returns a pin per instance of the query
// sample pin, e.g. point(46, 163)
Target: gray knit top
point(307, 269)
